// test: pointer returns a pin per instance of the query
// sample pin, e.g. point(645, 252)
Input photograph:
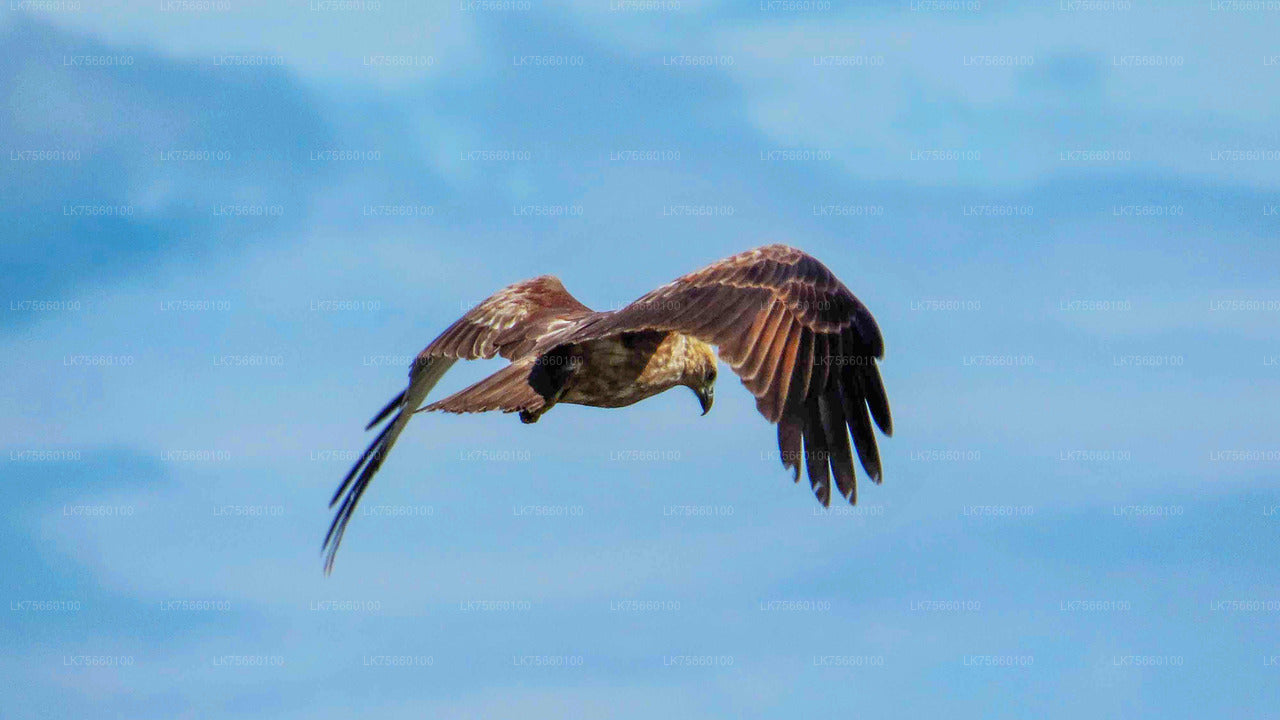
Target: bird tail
point(424, 376)
point(506, 390)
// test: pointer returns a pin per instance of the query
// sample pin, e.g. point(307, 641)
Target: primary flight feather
point(803, 345)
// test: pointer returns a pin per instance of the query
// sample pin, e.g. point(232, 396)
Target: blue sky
point(230, 227)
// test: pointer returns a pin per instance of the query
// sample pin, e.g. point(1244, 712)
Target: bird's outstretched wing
point(509, 323)
point(798, 339)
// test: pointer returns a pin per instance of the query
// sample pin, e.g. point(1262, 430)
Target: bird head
point(701, 373)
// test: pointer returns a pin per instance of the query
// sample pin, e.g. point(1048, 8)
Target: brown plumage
point(799, 340)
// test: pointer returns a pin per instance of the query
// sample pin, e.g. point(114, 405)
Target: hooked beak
point(706, 396)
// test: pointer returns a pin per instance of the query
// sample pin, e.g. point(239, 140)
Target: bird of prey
point(801, 343)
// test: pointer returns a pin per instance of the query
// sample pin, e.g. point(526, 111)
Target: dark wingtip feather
point(816, 454)
point(841, 455)
point(386, 411)
point(864, 438)
point(369, 451)
point(350, 494)
point(873, 387)
point(789, 432)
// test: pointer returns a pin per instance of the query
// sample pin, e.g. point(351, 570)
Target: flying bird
point(803, 345)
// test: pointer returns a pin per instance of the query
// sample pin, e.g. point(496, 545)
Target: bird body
point(801, 343)
point(621, 370)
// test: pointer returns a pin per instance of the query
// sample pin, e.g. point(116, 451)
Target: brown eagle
point(799, 340)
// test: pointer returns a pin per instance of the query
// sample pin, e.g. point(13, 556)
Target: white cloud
point(381, 42)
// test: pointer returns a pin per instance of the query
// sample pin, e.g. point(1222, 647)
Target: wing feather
point(708, 315)
point(790, 430)
point(816, 454)
point(877, 400)
point(860, 426)
point(833, 424)
point(507, 390)
point(799, 340)
point(770, 354)
point(785, 373)
point(803, 371)
point(760, 346)
point(509, 323)
point(821, 364)
point(507, 320)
